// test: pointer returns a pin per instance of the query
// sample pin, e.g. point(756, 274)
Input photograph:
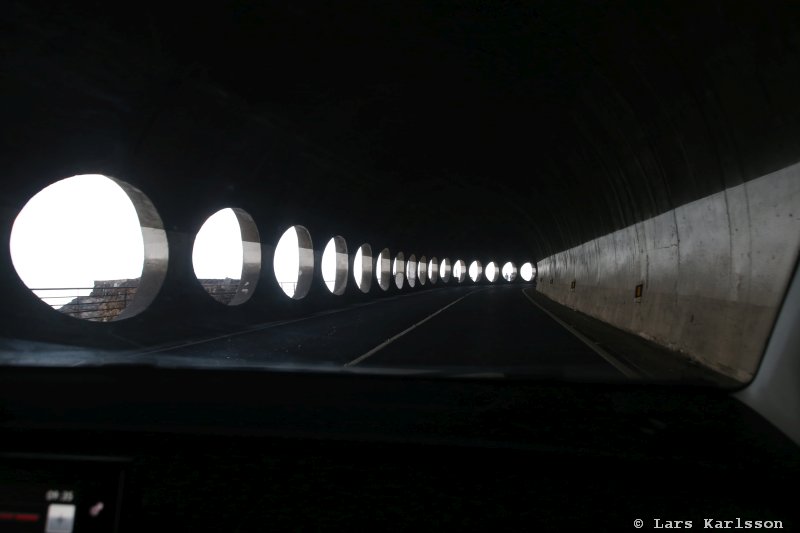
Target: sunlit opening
point(78, 245)
point(445, 270)
point(362, 268)
point(433, 270)
point(225, 262)
point(398, 266)
point(526, 271)
point(217, 252)
point(492, 272)
point(328, 265)
point(509, 271)
point(294, 262)
point(460, 271)
point(383, 269)
point(334, 265)
point(422, 270)
point(475, 271)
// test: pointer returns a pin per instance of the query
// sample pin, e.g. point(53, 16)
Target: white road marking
point(610, 359)
point(390, 340)
point(270, 325)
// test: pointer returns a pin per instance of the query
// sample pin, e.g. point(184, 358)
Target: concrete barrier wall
point(713, 273)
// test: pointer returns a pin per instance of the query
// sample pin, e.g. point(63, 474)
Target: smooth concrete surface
point(643, 359)
point(156, 251)
point(713, 272)
point(775, 391)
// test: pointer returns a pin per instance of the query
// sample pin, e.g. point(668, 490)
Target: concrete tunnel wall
point(713, 271)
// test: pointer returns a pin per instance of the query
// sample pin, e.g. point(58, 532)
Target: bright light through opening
point(217, 252)
point(358, 267)
point(334, 265)
point(397, 269)
point(526, 271)
point(475, 271)
point(362, 267)
point(383, 268)
point(509, 271)
point(329, 265)
point(433, 270)
point(226, 256)
point(444, 270)
point(74, 232)
point(492, 272)
point(460, 271)
point(287, 262)
point(294, 262)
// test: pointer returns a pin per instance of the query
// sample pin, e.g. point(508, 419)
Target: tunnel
point(641, 158)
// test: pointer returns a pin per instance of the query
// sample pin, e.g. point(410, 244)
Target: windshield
point(581, 192)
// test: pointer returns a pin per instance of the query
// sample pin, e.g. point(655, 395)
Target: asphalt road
point(466, 330)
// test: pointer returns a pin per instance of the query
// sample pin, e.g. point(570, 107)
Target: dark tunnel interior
point(506, 132)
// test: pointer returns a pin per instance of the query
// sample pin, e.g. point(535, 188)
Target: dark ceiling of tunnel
point(487, 126)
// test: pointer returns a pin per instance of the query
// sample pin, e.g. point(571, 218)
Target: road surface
point(468, 330)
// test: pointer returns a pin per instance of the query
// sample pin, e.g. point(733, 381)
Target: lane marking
point(270, 325)
point(610, 359)
point(390, 340)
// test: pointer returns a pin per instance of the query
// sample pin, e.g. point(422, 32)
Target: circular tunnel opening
point(398, 269)
point(492, 272)
point(509, 272)
point(362, 268)
point(527, 272)
point(334, 265)
point(460, 271)
point(293, 262)
point(476, 271)
point(411, 270)
point(433, 270)
point(91, 247)
point(422, 270)
point(444, 270)
point(383, 269)
point(226, 256)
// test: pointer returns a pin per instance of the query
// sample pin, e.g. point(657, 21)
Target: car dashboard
point(129, 448)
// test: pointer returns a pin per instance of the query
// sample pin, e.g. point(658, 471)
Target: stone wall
point(106, 301)
point(222, 290)
point(110, 297)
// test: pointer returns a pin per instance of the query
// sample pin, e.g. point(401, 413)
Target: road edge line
point(610, 359)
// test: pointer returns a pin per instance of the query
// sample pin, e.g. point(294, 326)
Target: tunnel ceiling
point(521, 128)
